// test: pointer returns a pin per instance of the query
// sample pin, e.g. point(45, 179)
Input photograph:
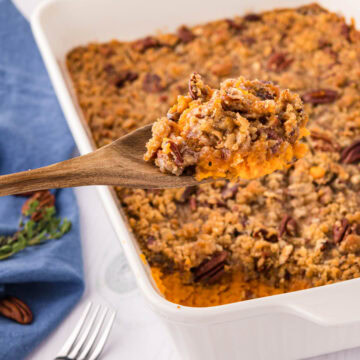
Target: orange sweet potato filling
point(232, 288)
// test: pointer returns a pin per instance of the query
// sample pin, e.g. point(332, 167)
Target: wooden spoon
point(119, 163)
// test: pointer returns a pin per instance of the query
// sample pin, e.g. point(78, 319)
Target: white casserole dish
point(288, 326)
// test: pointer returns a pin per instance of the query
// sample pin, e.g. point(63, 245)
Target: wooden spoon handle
point(89, 169)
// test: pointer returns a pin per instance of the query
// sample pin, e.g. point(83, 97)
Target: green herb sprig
point(32, 232)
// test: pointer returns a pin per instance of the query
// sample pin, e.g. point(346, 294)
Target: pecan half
point(320, 96)
point(15, 309)
point(288, 226)
point(266, 235)
point(248, 40)
point(45, 200)
point(146, 43)
point(278, 62)
point(252, 17)
point(351, 154)
point(185, 34)
point(179, 160)
point(210, 270)
point(342, 230)
point(339, 230)
point(152, 83)
point(325, 142)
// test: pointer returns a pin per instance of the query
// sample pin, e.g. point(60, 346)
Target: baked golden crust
point(246, 129)
point(295, 224)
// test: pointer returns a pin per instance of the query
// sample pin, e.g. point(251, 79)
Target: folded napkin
point(33, 133)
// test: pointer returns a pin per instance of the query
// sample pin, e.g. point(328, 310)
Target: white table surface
point(109, 281)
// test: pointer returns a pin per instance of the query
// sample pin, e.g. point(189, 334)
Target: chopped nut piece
point(252, 17)
point(15, 309)
point(327, 144)
point(146, 43)
point(152, 83)
point(288, 226)
point(351, 154)
point(185, 34)
point(339, 230)
point(210, 270)
point(279, 62)
point(120, 78)
point(229, 191)
point(238, 27)
point(197, 88)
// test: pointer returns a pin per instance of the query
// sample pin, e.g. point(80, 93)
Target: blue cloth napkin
point(33, 133)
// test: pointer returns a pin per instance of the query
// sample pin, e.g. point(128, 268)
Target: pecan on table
point(15, 309)
point(45, 200)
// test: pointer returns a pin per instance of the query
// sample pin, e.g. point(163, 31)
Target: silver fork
point(89, 336)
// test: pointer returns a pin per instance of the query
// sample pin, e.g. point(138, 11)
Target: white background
point(137, 333)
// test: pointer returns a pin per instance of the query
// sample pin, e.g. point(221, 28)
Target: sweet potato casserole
point(223, 242)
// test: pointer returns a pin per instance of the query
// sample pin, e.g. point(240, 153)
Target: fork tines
point(90, 334)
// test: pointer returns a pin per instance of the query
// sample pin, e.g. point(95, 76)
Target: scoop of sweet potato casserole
point(246, 129)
